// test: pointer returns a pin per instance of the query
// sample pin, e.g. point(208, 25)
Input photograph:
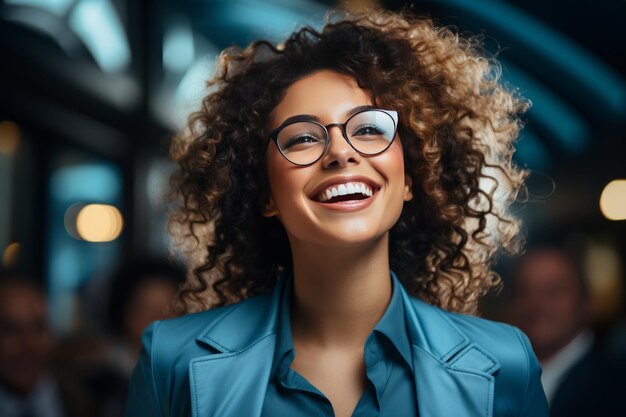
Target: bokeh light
point(11, 255)
point(603, 267)
point(613, 200)
point(99, 223)
point(9, 137)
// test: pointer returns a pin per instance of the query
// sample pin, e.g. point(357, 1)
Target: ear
point(408, 184)
point(270, 209)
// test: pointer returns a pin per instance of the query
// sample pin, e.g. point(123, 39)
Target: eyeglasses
point(369, 132)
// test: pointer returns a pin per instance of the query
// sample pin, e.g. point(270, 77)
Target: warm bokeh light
point(11, 255)
point(613, 200)
point(603, 268)
point(99, 223)
point(9, 137)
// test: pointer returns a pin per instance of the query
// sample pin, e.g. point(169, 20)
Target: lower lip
point(351, 205)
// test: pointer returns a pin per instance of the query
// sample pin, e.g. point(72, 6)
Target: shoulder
point(508, 344)
point(160, 385)
point(502, 340)
point(503, 350)
point(177, 335)
point(516, 370)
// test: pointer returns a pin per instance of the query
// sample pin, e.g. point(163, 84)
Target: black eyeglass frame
point(273, 135)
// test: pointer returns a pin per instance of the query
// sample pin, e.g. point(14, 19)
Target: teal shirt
point(389, 391)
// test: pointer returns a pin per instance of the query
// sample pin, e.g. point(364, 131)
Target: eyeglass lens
point(370, 132)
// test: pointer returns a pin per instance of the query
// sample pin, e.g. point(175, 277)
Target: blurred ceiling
point(108, 65)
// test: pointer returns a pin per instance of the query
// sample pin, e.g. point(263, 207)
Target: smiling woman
point(338, 166)
point(335, 212)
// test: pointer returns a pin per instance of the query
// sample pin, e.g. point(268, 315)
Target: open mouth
point(352, 191)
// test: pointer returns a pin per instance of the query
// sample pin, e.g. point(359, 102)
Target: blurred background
point(92, 90)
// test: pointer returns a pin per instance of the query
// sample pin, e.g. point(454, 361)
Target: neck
point(339, 293)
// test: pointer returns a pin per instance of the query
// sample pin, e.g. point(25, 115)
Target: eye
point(300, 141)
point(367, 130)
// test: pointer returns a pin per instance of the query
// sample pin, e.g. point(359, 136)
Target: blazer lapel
point(453, 377)
point(233, 382)
point(445, 390)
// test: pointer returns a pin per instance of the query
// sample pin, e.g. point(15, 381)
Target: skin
point(548, 303)
point(26, 342)
point(342, 285)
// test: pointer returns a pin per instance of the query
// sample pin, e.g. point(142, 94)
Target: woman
point(343, 195)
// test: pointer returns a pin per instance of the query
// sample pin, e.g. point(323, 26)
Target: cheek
point(397, 179)
point(391, 165)
point(396, 157)
point(283, 177)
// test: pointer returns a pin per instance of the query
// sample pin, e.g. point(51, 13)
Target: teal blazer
point(217, 363)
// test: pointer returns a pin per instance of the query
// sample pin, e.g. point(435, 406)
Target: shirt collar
point(284, 341)
point(392, 325)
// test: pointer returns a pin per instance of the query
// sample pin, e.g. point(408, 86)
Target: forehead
point(326, 94)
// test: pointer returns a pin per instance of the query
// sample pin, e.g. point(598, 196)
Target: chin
point(350, 242)
point(351, 237)
point(341, 230)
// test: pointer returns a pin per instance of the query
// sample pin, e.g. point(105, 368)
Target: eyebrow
point(310, 117)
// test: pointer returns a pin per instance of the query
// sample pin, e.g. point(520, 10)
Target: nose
point(339, 152)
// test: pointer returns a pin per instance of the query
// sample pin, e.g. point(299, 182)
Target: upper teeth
point(345, 189)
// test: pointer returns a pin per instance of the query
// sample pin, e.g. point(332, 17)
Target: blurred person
point(551, 303)
point(142, 291)
point(100, 362)
point(331, 185)
point(28, 386)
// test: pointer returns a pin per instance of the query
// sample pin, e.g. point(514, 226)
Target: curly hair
point(458, 124)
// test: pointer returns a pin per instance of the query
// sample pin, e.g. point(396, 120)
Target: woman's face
point(295, 190)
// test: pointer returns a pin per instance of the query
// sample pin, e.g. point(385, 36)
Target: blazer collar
point(452, 375)
point(243, 324)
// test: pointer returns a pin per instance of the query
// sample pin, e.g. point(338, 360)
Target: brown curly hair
point(457, 122)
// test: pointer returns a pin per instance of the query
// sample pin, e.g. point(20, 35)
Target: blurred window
point(97, 24)
point(84, 223)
